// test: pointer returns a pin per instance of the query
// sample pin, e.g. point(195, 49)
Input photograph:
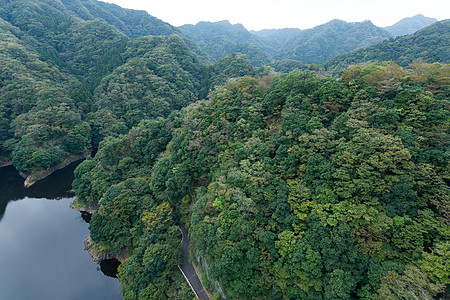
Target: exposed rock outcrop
point(77, 205)
point(98, 253)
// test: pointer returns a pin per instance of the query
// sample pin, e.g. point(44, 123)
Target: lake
point(42, 253)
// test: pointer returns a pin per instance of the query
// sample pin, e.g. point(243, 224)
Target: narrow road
point(188, 270)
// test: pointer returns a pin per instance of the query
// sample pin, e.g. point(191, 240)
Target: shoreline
point(98, 254)
point(32, 178)
point(6, 164)
point(83, 208)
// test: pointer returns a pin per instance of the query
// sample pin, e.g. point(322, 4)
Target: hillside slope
point(324, 42)
point(309, 46)
point(219, 39)
point(409, 25)
point(68, 82)
point(431, 44)
point(293, 186)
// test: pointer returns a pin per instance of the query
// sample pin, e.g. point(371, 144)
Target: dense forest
point(293, 184)
point(324, 42)
point(67, 83)
point(220, 39)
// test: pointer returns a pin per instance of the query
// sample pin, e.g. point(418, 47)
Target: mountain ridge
point(313, 45)
point(293, 186)
point(410, 25)
point(430, 43)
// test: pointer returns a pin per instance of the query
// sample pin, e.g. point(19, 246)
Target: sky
point(267, 14)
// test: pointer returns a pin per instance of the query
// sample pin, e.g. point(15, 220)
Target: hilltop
point(430, 44)
point(409, 25)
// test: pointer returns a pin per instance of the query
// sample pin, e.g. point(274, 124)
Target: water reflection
point(55, 186)
point(42, 253)
point(86, 216)
point(109, 267)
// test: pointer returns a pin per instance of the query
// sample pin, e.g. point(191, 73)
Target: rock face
point(202, 262)
point(98, 254)
point(86, 208)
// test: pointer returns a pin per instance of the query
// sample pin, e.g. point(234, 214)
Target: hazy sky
point(260, 14)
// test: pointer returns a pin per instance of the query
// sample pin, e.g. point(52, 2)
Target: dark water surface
point(42, 254)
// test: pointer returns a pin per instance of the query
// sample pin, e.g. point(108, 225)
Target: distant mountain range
point(219, 39)
point(324, 42)
point(409, 25)
point(283, 49)
point(310, 46)
point(277, 35)
point(431, 43)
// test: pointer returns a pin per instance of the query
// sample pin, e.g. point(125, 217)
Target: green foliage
point(428, 44)
point(220, 39)
point(285, 49)
point(116, 224)
point(436, 264)
point(95, 80)
point(47, 136)
point(151, 271)
point(231, 67)
point(347, 214)
point(133, 23)
point(413, 284)
point(293, 186)
point(324, 42)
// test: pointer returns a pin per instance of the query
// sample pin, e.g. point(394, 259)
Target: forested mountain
point(132, 23)
point(31, 91)
point(277, 36)
point(324, 42)
point(293, 187)
point(431, 44)
point(409, 25)
point(289, 47)
point(219, 39)
point(67, 83)
point(309, 46)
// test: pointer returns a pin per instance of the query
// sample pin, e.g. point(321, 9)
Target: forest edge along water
point(32, 178)
point(43, 254)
